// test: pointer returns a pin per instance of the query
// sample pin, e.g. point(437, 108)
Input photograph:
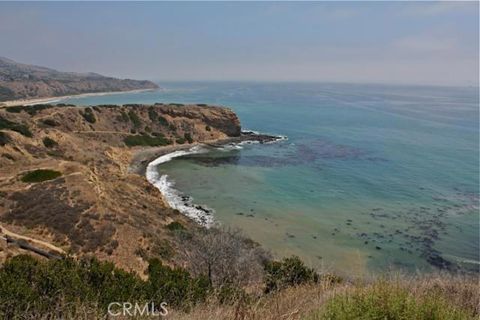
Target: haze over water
point(371, 176)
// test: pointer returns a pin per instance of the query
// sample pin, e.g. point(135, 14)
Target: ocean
point(370, 178)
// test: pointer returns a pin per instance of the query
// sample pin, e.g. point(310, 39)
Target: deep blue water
point(371, 176)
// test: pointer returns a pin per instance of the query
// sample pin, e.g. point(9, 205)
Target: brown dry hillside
point(91, 202)
point(23, 81)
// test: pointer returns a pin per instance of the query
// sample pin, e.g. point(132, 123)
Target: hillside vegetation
point(83, 290)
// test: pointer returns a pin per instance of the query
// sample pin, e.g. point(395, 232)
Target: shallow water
point(371, 176)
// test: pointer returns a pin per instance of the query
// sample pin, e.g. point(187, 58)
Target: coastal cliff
point(23, 81)
point(65, 175)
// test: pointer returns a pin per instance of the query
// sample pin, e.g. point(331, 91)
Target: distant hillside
point(22, 81)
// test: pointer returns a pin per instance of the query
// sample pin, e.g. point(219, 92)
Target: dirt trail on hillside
point(9, 233)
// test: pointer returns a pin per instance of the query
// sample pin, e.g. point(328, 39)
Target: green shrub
point(109, 283)
point(50, 122)
point(175, 225)
point(20, 128)
point(23, 130)
point(134, 118)
point(163, 121)
point(124, 116)
point(176, 286)
point(15, 109)
point(288, 272)
point(8, 156)
point(28, 284)
point(31, 287)
point(4, 139)
point(6, 94)
point(152, 114)
point(146, 140)
point(208, 128)
point(88, 115)
point(388, 300)
point(41, 175)
point(188, 137)
point(31, 110)
point(180, 140)
point(49, 142)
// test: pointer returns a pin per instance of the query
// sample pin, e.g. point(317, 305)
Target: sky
point(433, 43)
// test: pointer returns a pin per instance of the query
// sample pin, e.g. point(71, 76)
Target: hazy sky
point(401, 42)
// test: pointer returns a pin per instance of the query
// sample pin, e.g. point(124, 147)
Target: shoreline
point(175, 199)
point(143, 156)
point(47, 100)
point(145, 162)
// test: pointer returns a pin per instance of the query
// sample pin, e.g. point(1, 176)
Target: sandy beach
point(34, 101)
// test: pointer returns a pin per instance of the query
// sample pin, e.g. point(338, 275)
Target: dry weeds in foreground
point(308, 301)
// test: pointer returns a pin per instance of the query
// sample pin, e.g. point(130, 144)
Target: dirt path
point(40, 242)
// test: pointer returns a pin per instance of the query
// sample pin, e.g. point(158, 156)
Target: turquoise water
point(371, 177)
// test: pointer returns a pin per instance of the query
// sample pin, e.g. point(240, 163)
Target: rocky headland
point(73, 177)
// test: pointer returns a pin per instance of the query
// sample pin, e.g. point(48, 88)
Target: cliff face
point(96, 205)
point(21, 81)
point(222, 119)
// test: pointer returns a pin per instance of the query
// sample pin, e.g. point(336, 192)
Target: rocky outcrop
point(22, 81)
point(223, 119)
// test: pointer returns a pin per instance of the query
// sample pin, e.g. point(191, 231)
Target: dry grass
point(291, 303)
point(67, 311)
point(453, 296)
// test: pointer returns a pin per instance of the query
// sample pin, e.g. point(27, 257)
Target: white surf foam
point(201, 214)
point(236, 146)
point(230, 147)
point(175, 199)
point(239, 145)
point(278, 139)
point(250, 131)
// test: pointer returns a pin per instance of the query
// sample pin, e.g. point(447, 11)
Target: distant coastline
point(34, 101)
